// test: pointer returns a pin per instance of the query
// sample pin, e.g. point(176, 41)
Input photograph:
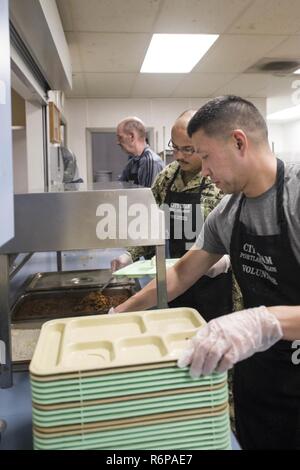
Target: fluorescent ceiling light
point(176, 53)
point(287, 114)
point(297, 71)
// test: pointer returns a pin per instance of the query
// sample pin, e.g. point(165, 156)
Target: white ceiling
point(108, 40)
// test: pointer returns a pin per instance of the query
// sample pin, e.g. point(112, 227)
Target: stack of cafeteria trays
point(111, 382)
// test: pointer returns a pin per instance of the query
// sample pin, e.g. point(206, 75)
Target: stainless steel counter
point(102, 216)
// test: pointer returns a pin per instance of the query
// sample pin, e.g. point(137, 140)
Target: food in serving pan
point(95, 301)
point(66, 303)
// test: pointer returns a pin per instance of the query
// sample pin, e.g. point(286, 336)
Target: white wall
point(276, 136)
point(291, 141)
point(20, 161)
point(56, 167)
point(286, 137)
point(6, 167)
point(106, 113)
point(35, 161)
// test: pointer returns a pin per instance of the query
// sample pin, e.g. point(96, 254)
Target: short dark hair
point(221, 115)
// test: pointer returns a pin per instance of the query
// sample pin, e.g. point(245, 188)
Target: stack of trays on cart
point(111, 382)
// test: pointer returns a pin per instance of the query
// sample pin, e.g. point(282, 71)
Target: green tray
point(213, 435)
point(110, 386)
point(131, 404)
point(144, 407)
point(191, 441)
point(142, 268)
point(207, 423)
point(89, 390)
point(97, 393)
point(144, 440)
point(131, 377)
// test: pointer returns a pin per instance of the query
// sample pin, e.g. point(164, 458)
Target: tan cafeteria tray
point(108, 341)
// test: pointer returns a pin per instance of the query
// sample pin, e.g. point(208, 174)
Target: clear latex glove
point(230, 339)
point(220, 267)
point(120, 262)
point(111, 311)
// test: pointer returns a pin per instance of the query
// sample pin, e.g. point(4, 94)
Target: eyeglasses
point(189, 150)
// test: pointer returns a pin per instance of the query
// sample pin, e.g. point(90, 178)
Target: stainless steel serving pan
point(73, 279)
point(40, 306)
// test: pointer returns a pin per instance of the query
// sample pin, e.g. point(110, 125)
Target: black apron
point(205, 295)
point(267, 385)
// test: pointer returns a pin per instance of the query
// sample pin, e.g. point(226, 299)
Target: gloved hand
point(230, 339)
point(111, 311)
point(219, 267)
point(123, 260)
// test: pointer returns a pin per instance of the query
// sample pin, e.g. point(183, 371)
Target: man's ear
point(239, 144)
point(240, 139)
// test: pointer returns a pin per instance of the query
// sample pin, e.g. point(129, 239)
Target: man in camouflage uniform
point(181, 187)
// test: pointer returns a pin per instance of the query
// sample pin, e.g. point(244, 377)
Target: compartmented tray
point(104, 395)
point(111, 382)
point(142, 268)
point(209, 416)
point(109, 341)
point(124, 381)
point(133, 408)
point(73, 279)
point(203, 432)
point(141, 433)
point(44, 305)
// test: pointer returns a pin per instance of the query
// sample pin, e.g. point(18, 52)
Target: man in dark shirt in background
point(143, 164)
